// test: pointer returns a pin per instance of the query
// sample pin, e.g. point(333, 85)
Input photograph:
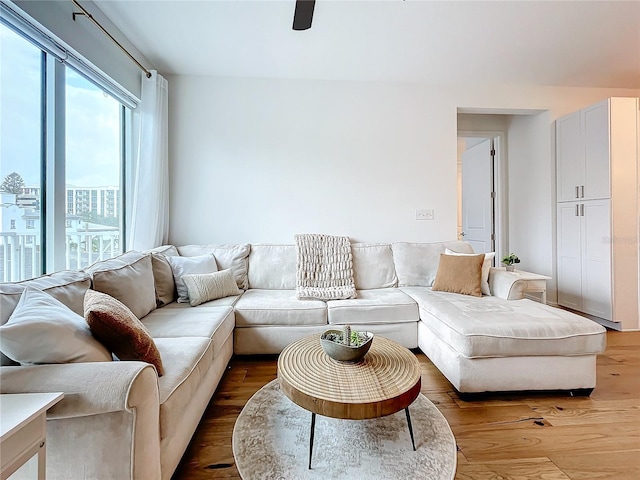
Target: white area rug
point(271, 441)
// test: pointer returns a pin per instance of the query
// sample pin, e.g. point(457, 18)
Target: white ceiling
point(591, 44)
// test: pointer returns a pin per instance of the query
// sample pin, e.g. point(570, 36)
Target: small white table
point(23, 422)
point(536, 283)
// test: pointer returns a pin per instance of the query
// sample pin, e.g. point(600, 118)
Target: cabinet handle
point(577, 191)
point(577, 211)
point(582, 209)
point(581, 191)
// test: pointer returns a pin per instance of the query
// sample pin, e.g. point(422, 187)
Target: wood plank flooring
point(551, 437)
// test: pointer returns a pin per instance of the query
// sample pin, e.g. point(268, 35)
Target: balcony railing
point(21, 258)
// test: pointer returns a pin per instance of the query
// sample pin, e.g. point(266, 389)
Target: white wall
point(532, 192)
point(258, 160)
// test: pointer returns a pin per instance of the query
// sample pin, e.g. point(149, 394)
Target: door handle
point(462, 234)
point(577, 210)
point(577, 191)
point(582, 209)
point(581, 191)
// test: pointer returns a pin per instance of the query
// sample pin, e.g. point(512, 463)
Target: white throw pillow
point(203, 287)
point(190, 265)
point(486, 268)
point(43, 330)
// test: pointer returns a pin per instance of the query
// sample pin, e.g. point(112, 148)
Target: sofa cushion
point(163, 280)
point(478, 327)
point(227, 256)
point(383, 305)
point(113, 324)
point(373, 266)
point(162, 274)
point(127, 278)
point(168, 250)
point(194, 322)
point(43, 330)
point(205, 287)
point(68, 287)
point(417, 263)
point(181, 266)
point(272, 267)
point(278, 307)
point(459, 274)
point(188, 359)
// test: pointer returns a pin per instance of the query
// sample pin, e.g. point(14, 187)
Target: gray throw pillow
point(189, 265)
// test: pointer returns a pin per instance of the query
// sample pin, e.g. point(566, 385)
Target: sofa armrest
point(506, 285)
point(89, 388)
point(107, 424)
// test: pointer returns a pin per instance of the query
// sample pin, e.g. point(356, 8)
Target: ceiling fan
point(303, 14)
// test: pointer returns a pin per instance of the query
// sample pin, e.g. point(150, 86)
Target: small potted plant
point(510, 260)
point(346, 345)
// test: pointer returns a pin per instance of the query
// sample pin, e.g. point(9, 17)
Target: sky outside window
point(20, 107)
point(93, 120)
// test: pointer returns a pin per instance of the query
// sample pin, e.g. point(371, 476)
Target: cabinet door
point(569, 157)
point(596, 258)
point(569, 256)
point(595, 121)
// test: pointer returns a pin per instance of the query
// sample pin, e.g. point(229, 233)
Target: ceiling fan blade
point(303, 14)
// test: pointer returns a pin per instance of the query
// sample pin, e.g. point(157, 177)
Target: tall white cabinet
point(598, 211)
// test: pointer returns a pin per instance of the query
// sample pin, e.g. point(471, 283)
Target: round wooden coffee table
point(386, 381)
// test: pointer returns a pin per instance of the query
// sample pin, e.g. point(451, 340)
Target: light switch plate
point(424, 214)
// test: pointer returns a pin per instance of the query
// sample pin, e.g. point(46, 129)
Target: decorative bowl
point(345, 353)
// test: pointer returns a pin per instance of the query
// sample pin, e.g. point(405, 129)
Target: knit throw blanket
point(325, 268)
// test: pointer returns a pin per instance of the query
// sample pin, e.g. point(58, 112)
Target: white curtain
point(149, 224)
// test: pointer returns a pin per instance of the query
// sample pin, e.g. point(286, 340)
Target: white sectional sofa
point(141, 423)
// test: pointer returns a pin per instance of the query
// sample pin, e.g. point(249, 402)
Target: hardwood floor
point(509, 437)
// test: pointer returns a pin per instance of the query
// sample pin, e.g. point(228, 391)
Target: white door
point(570, 157)
point(596, 152)
point(477, 201)
point(570, 255)
point(596, 258)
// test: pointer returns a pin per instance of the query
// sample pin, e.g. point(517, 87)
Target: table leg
point(406, 410)
point(313, 429)
point(42, 461)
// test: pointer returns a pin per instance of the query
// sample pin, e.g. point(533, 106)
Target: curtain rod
point(85, 13)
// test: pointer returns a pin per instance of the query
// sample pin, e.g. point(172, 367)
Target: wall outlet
point(424, 214)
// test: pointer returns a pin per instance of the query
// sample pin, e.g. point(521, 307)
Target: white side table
point(536, 283)
point(23, 422)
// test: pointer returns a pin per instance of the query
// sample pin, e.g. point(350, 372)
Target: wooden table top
point(386, 381)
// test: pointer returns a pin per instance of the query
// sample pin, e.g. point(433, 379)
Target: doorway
point(479, 194)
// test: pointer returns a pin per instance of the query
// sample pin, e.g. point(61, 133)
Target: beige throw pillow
point(486, 268)
point(43, 330)
point(204, 287)
point(119, 329)
point(459, 274)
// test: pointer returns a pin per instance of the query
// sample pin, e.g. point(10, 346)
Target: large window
point(21, 157)
point(61, 163)
point(93, 171)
